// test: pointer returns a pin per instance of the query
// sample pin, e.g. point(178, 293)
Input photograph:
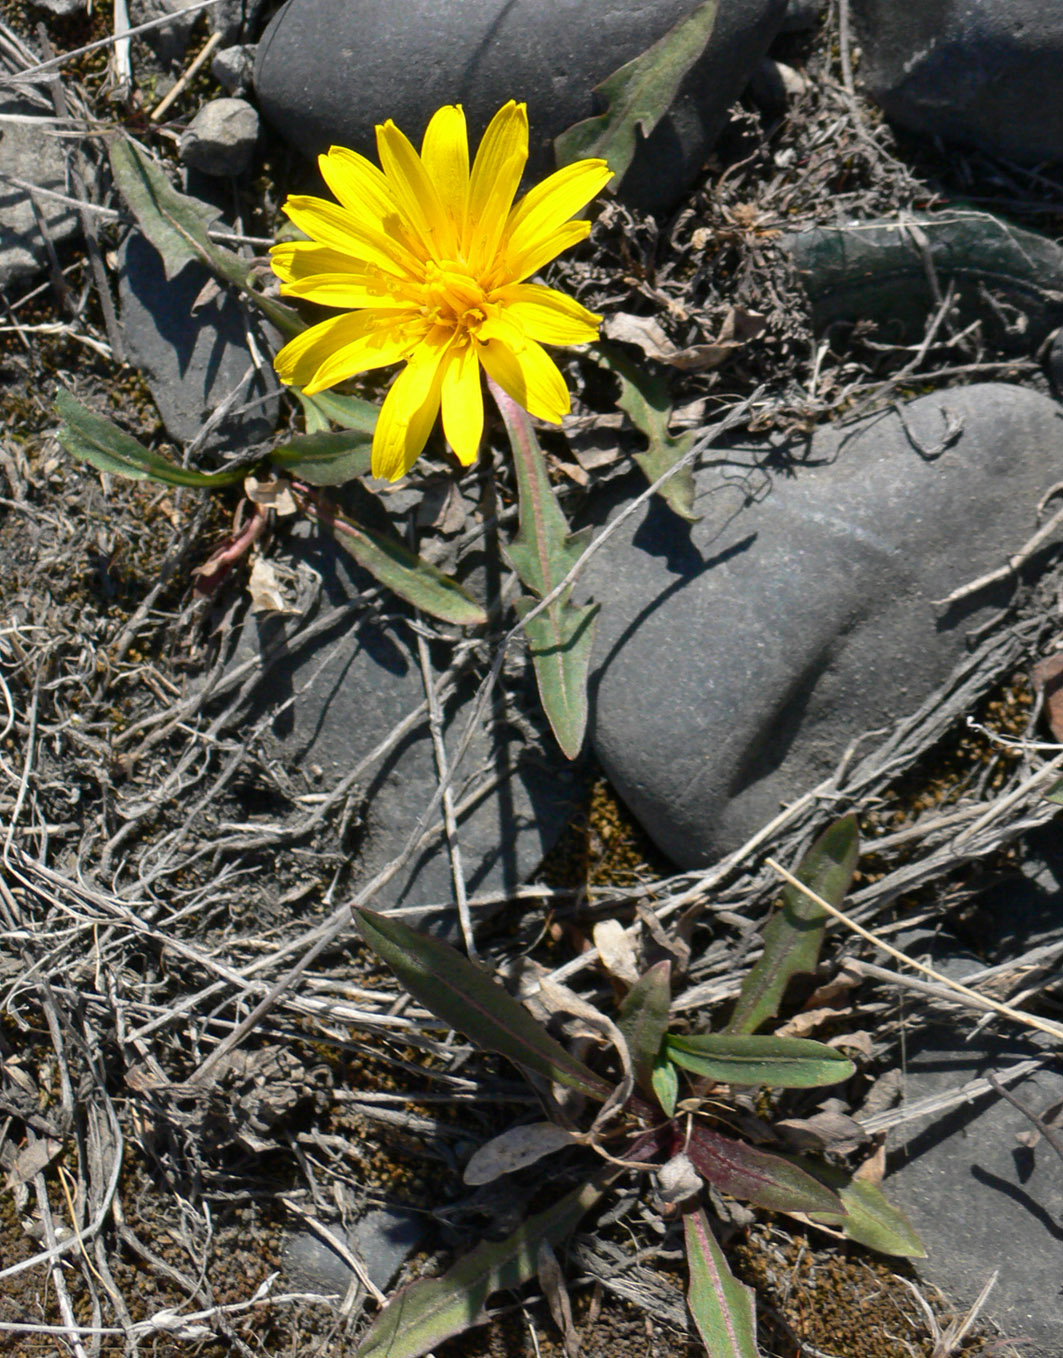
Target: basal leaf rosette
point(428, 259)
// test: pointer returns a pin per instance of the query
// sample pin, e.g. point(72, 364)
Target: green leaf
point(325, 459)
point(722, 1307)
point(394, 565)
point(871, 1219)
point(759, 1059)
point(349, 411)
point(459, 993)
point(793, 936)
point(643, 1020)
point(177, 227)
point(639, 94)
point(424, 1314)
point(542, 554)
point(644, 398)
point(95, 439)
point(752, 1175)
point(1055, 793)
point(664, 1083)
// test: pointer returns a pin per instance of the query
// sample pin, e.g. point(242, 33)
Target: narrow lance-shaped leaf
point(793, 936)
point(721, 1306)
point(643, 1020)
point(349, 411)
point(871, 1219)
point(639, 94)
point(759, 1059)
point(326, 458)
point(757, 1176)
point(459, 993)
point(394, 565)
point(644, 399)
point(177, 227)
point(97, 440)
point(542, 554)
point(424, 1314)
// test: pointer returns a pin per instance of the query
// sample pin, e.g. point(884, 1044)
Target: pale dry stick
point(1013, 563)
point(1005, 1010)
point(122, 56)
point(62, 1295)
point(185, 78)
point(27, 766)
point(450, 823)
point(31, 73)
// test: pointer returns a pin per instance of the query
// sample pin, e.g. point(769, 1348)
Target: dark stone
point(195, 358)
point(382, 1240)
point(169, 41)
point(237, 21)
point(985, 72)
point(354, 684)
point(980, 1200)
point(735, 661)
point(802, 15)
point(1009, 280)
point(328, 71)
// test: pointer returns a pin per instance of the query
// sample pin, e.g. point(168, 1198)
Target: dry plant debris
point(160, 881)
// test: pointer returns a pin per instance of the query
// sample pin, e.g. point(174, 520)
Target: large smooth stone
point(987, 72)
point(734, 662)
point(351, 685)
point(328, 71)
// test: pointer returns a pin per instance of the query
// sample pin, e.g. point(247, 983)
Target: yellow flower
point(428, 259)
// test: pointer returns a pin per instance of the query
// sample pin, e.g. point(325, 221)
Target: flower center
point(452, 297)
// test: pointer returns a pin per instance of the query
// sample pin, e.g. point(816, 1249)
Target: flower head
point(428, 260)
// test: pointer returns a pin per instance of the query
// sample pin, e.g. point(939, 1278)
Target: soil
point(159, 874)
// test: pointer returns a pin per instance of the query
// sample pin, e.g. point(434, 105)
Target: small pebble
point(233, 67)
point(220, 140)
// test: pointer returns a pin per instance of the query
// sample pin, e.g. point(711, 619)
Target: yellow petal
point(336, 349)
point(445, 156)
point(409, 410)
point(360, 185)
point(353, 291)
point(416, 195)
point(463, 402)
point(542, 209)
point(496, 175)
point(530, 376)
point(516, 266)
point(333, 225)
point(546, 315)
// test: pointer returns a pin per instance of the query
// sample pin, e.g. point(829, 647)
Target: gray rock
point(382, 1240)
point(980, 1200)
point(220, 140)
point(35, 156)
point(352, 686)
point(169, 41)
point(237, 20)
point(195, 358)
point(735, 661)
point(410, 60)
point(972, 72)
point(233, 67)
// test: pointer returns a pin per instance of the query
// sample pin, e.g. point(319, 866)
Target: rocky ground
point(202, 1071)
